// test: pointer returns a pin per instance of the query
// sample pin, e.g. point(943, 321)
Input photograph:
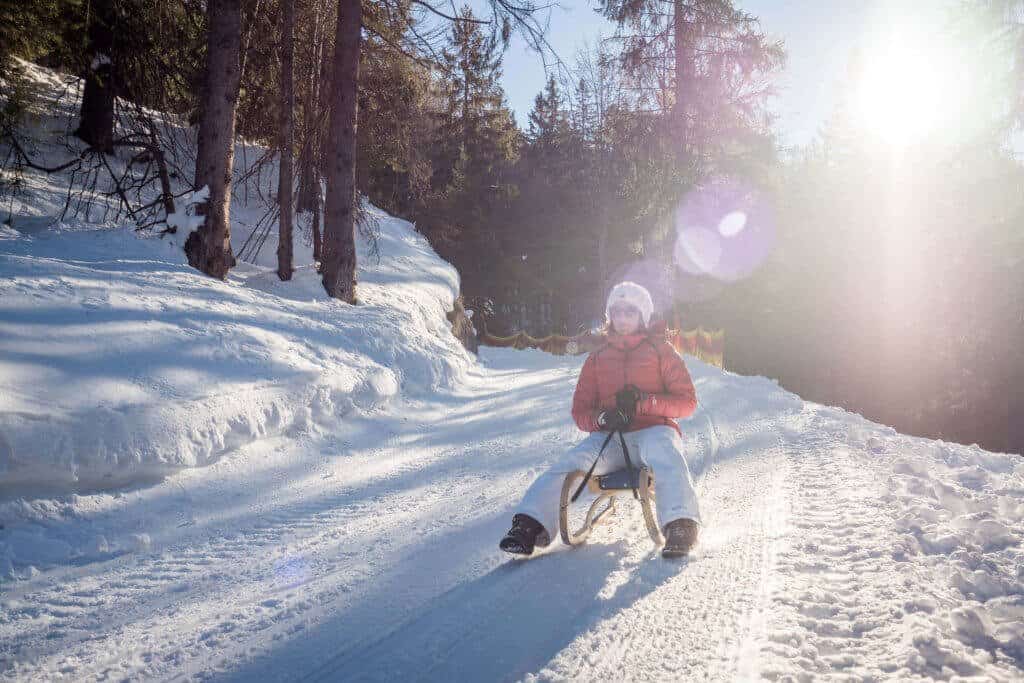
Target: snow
point(185, 221)
point(246, 480)
point(120, 362)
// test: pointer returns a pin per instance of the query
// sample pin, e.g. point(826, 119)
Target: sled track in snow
point(838, 605)
point(853, 603)
point(611, 608)
point(707, 615)
point(269, 581)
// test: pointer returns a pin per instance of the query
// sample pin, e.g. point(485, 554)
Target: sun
point(907, 88)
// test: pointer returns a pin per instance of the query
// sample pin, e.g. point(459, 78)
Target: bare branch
point(45, 169)
point(439, 13)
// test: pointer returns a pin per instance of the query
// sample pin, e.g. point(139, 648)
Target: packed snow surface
point(244, 480)
point(120, 363)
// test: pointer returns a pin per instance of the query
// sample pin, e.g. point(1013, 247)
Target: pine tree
point(395, 124)
point(476, 141)
point(548, 125)
point(703, 63)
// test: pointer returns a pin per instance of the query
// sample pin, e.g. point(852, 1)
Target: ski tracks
point(853, 603)
point(834, 610)
point(201, 607)
point(707, 616)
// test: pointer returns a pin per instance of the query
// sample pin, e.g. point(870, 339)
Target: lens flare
point(698, 250)
point(724, 230)
point(732, 224)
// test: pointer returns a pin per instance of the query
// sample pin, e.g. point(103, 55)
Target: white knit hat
point(634, 295)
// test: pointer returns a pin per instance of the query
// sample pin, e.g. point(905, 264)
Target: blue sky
point(818, 37)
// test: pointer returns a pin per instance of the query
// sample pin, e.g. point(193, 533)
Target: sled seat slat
point(620, 480)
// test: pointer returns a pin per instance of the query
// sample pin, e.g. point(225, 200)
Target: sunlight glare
point(908, 88)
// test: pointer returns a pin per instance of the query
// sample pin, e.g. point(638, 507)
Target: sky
point(818, 38)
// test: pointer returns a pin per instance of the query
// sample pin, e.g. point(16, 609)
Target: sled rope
point(587, 476)
point(629, 464)
point(590, 472)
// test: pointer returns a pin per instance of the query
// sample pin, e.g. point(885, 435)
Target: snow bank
point(964, 510)
point(120, 363)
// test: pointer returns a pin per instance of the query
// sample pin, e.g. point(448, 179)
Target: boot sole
point(515, 549)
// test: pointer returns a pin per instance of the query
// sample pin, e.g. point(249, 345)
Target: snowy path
point(351, 529)
point(326, 516)
point(373, 558)
point(512, 620)
point(320, 524)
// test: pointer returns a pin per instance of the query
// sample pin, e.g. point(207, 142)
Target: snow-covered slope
point(350, 532)
point(119, 363)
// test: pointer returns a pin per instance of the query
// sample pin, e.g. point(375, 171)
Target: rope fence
point(707, 346)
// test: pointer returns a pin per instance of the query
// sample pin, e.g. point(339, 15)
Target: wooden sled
point(598, 500)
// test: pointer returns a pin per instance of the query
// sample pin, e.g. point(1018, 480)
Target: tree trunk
point(318, 242)
point(310, 164)
point(96, 119)
point(284, 185)
point(339, 248)
point(465, 112)
point(683, 70)
point(209, 248)
point(309, 168)
point(1015, 395)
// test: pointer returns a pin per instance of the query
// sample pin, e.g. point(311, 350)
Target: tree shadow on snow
point(501, 625)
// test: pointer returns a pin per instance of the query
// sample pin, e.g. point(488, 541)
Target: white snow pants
point(659, 447)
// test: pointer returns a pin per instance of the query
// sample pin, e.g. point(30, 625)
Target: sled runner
point(576, 519)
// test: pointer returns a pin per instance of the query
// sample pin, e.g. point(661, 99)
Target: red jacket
point(646, 361)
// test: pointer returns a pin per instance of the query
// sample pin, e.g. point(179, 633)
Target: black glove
point(626, 401)
point(612, 420)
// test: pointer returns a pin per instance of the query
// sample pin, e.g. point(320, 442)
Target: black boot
point(680, 537)
point(526, 532)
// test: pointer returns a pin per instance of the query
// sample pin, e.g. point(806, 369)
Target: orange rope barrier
point(705, 345)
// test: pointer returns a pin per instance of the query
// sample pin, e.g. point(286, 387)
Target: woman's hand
point(627, 399)
point(612, 420)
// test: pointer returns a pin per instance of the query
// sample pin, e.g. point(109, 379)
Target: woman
point(636, 364)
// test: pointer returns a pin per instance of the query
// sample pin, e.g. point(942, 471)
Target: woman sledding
point(635, 383)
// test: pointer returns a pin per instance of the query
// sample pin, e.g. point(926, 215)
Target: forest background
point(876, 272)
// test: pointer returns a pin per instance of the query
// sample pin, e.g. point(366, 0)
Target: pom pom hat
point(633, 294)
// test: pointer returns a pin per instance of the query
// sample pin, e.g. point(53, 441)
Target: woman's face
point(625, 318)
